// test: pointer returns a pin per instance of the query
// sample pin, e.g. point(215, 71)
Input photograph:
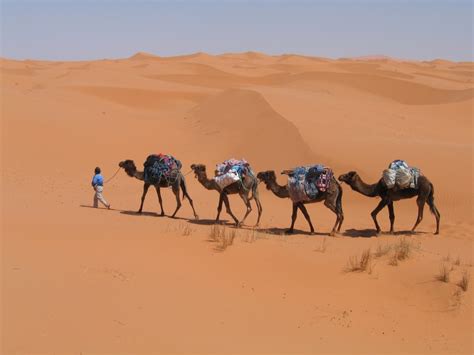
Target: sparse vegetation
point(382, 250)
point(186, 230)
point(401, 251)
point(322, 247)
point(222, 236)
point(359, 265)
point(464, 282)
point(457, 262)
point(444, 272)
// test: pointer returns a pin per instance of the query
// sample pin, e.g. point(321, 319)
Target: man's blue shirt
point(97, 180)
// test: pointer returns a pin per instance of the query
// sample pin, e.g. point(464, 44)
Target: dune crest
point(242, 123)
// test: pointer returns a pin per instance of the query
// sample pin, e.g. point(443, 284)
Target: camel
point(248, 184)
point(176, 185)
point(424, 191)
point(332, 199)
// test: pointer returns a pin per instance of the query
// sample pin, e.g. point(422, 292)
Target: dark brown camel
point(332, 199)
point(424, 191)
point(176, 185)
point(243, 188)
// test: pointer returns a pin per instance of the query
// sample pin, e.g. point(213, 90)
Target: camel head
point(267, 177)
point(348, 178)
point(198, 169)
point(129, 167)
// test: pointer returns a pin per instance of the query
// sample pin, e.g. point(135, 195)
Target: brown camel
point(332, 199)
point(177, 183)
point(248, 184)
point(424, 191)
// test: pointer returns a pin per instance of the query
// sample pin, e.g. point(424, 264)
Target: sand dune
point(84, 280)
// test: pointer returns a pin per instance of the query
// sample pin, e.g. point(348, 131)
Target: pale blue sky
point(76, 30)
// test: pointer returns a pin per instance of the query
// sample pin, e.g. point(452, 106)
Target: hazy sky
point(86, 29)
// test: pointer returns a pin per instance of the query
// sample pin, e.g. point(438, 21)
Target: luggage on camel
point(400, 174)
point(231, 171)
point(306, 182)
point(158, 166)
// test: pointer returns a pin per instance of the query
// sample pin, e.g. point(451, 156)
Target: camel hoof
point(162, 214)
point(196, 217)
point(332, 234)
point(139, 212)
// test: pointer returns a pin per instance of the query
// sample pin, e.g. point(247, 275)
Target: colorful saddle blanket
point(400, 174)
point(306, 182)
point(231, 171)
point(159, 166)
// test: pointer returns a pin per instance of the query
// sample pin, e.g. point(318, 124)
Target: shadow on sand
point(369, 233)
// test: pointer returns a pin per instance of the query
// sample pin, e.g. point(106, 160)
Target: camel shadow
point(360, 233)
point(282, 231)
point(210, 222)
point(143, 214)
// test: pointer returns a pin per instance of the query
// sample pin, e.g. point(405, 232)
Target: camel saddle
point(306, 182)
point(158, 166)
point(400, 175)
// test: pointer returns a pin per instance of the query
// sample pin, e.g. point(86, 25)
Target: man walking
point(98, 185)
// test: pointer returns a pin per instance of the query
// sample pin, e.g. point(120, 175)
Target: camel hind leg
point(433, 209)
point(420, 201)
point(391, 214)
point(293, 219)
point(306, 215)
point(227, 207)
point(185, 194)
point(334, 205)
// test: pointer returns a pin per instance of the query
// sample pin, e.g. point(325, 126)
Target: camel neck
point(208, 184)
point(278, 190)
point(140, 175)
point(365, 189)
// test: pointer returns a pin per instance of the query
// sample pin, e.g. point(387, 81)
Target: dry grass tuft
point(401, 251)
point(358, 265)
point(457, 262)
point(382, 250)
point(322, 247)
point(444, 272)
point(464, 282)
point(222, 236)
point(186, 230)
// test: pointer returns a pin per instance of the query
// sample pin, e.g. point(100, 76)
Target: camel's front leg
point(145, 190)
point(158, 191)
point(178, 201)
point(391, 214)
point(293, 219)
point(374, 213)
point(245, 198)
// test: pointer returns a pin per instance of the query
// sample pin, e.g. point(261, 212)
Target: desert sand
point(80, 280)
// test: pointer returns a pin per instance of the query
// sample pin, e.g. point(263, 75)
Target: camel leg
point(185, 193)
point(329, 203)
point(306, 215)
point(145, 190)
point(435, 211)
point(158, 191)
point(391, 214)
point(227, 207)
point(375, 212)
point(175, 189)
point(259, 209)
point(245, 198)
point(293, 219)
point(420, 201)
point(219, 206)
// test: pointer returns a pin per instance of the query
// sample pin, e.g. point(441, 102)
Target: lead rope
point(106, 181)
